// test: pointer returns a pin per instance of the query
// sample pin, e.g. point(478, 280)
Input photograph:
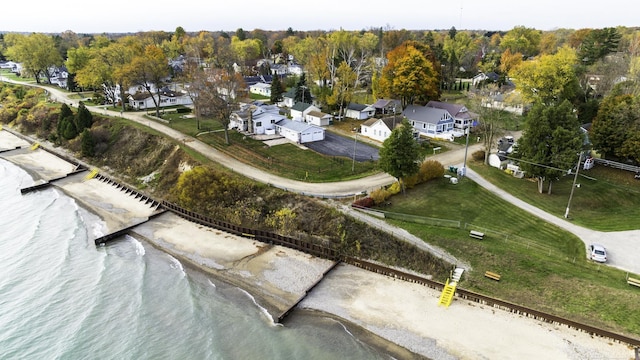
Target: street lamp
point(573, 186)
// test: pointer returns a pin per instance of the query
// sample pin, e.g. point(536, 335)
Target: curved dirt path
point(621, 245)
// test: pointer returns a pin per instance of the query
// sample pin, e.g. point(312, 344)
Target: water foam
point(263, 310)
point(176, 264)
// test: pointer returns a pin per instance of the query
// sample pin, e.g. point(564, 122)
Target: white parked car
point(598, 253)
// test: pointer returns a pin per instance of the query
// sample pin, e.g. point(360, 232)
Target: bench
point(436, 149)
point(476, 234)
point(492, 275)
point(632, 281)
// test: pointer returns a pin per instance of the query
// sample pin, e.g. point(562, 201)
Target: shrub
point(411, 181)
point(478, 155)
point(431, 169)
point(380, 195)
point(395, 188)
point(366, 202)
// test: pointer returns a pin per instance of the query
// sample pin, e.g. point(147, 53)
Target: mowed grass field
point(607, 199)
point(542, 266)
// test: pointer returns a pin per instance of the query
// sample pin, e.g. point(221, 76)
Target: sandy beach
point(403, 313)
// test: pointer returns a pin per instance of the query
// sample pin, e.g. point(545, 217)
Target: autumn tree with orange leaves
point(411, 74)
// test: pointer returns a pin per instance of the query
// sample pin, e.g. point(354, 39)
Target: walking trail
point(621, 245)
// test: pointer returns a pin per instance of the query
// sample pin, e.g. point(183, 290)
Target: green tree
point(36, 52)
point(87, 143)
point(64, 118)
point(83, 118)
point(400, 156)
point(343, 88)
point(523, 40)
point(277, 89)
point(303, 94)
point(550, 142)
point(148, 70)
point(615, 124)
point(597, 44)
point(549, 78)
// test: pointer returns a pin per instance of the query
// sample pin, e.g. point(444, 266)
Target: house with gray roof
point(359, 111)
point(430, 121)
point(318, 118)
point(255, 118)
point(288, 98)
point(300, 110)
point(387, 106)
point(463, 118)
point(379, 129)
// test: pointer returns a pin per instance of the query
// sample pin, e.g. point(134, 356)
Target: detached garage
point(299, 132)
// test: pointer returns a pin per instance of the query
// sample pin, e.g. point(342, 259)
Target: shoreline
point(403, 314)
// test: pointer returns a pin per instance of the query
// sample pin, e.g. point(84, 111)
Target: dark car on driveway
point(336, 145)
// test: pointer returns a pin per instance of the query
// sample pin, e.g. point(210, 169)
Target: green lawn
point(542, 266)
point(607, 199)
point(288, 160)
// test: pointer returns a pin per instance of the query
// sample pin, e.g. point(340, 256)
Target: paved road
point(623, 247)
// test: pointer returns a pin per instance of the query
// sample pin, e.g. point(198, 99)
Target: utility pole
point(466, 148)
point(573, 186)
point(355, 143)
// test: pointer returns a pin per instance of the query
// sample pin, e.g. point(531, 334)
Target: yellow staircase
point(447, 293)
point(91, 174)
point(449, 289)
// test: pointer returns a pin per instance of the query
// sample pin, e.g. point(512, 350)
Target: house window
point(273, 121)
point(259, 123)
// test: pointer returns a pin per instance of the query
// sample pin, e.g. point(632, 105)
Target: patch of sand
point(10, 141)
point(41, 164)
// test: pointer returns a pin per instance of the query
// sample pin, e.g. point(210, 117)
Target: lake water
point(63, 298)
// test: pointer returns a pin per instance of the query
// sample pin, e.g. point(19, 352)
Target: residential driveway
point(336, 145)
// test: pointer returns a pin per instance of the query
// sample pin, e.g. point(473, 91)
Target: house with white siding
point(462, 117)
point(300, 110)
point(262, 89)
point(318, 118)
point(430, 121)
point(144, 100)
point(359, 111)
point(255, 118)
point(299, 132)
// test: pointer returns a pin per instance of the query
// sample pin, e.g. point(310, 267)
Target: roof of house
point(261, 85)
point(298, 126)
point(356, 107)
point(385, 103)
point(300, 106)
point(318, 114)
point(291, 93)
point(458, 111)
point(425, 114)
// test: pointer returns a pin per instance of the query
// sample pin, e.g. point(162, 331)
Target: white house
point(462, 117)
point(261, 89)
point(299, 132)
point(430, 121)
point(318, 118)
point(288, 98)
point(300, 110)
point(143, 101)
point(256, 118)
point(359, 111)
point(379, 129)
